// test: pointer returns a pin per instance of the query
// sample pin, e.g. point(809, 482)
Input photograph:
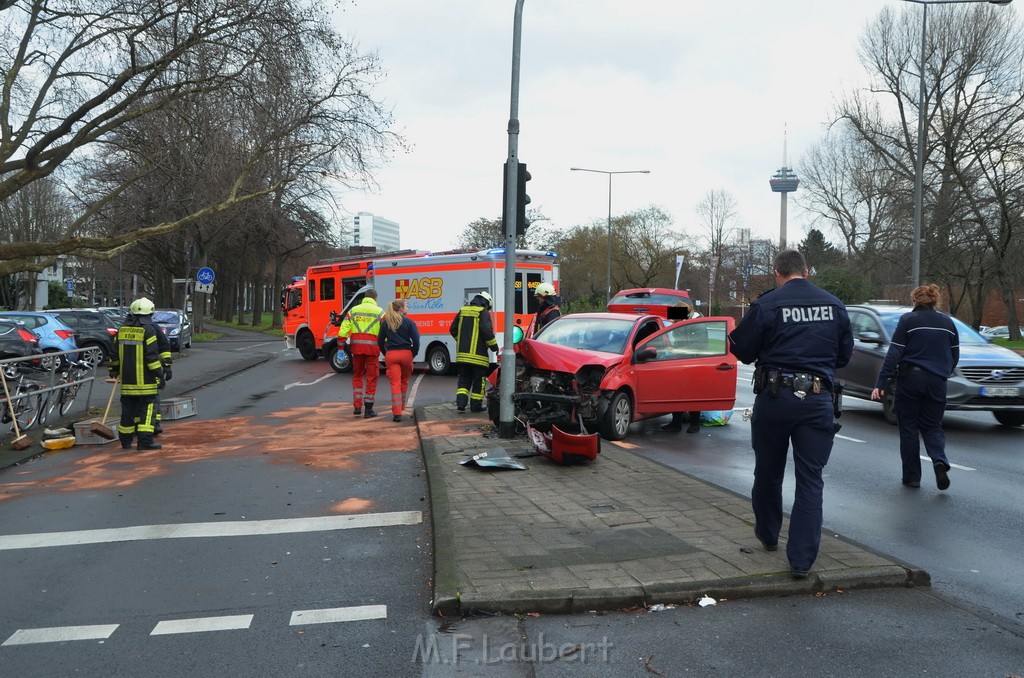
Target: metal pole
point(915, 270)
point(608, 276)
point(507, 382)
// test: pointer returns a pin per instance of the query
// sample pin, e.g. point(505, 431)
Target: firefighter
point(474, 336)
point(136, 362)
point(547, 308)
point(360, 329)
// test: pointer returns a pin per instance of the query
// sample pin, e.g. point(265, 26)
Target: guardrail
point(44, 387)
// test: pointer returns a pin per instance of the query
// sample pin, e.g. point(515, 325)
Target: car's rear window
point(165, 317)
point(968, 335)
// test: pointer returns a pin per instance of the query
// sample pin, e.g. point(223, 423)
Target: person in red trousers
point(399, 340)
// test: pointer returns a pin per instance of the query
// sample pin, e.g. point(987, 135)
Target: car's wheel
point(340, 361)
point(92, 355)
point(51, 362)
point(1011, 418)
point(306, 345)
point(188, 344)
point(617, 417)
point(889, 406)
point(438, 360)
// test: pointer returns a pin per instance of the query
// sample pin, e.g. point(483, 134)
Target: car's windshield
point(968, 335)
point(591, 334)
point(165, 317)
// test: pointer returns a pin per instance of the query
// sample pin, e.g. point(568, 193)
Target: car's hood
point(988, 354)
point(561, 359)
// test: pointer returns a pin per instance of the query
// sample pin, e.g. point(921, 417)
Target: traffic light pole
point(506, 384)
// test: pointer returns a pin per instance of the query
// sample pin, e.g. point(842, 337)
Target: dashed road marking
point(237, 528)
point(59, 634)
point(956, 466)
point(202, 624)
point(308, 383)
point(338, 614)
point(411, 400)
point(251, 346)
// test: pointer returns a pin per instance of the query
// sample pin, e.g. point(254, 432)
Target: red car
point(603, 371)
point(661, 301)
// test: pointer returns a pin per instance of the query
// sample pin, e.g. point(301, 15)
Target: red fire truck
point(434, 285)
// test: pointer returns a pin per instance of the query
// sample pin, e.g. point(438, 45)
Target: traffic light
point(522, 200)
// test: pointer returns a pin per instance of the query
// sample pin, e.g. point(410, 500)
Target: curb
point(446, 600)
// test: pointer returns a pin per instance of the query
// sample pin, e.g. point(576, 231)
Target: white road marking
point(410, 402)
point(852, 440)
point(956, 466)
point(60, 634)
point(338, 614)
point(246, 348)
point(202, 624)
point(308, 383)
point(238, 528)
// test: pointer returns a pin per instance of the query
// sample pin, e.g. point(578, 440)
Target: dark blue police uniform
point(924, 350)
point(795, 332)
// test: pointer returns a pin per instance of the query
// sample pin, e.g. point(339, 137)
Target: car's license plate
point(999, 391)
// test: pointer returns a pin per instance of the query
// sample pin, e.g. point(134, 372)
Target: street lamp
point(608, 276)
point(919, 169)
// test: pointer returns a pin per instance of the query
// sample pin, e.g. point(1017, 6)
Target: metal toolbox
point(178, 408)
point(83, 436)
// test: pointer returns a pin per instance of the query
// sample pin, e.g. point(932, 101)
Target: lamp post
point(608, 275)
point(915, 273)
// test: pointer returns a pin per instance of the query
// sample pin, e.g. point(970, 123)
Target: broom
point(98, 427)
point(21, 441)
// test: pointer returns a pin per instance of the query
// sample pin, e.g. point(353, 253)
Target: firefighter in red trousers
point(359, 329)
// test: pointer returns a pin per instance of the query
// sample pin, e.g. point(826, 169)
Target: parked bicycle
point(69, 380)
point(26, 400)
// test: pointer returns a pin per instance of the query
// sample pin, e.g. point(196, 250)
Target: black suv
point(94, 331)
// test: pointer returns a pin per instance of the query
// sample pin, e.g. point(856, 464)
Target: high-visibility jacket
point(137, 358)
point(473, 335)
point(361, 326)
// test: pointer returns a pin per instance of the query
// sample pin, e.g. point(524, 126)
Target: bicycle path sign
point(205, 275)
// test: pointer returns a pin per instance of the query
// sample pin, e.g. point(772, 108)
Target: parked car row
point(24, 333)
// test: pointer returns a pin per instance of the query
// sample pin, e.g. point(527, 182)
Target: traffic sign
point(205, 275)
point(69, 284)
point(205, 288)
point(179, 281)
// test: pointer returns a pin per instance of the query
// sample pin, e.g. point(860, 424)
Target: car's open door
point(686, 367)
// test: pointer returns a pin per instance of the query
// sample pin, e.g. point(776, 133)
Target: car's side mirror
point(645, 354)
point(870, 337)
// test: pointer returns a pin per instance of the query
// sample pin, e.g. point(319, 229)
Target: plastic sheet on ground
point(496, 457)
point(706, 601)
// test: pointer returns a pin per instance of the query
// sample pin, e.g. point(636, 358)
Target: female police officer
point(924, 350)
point(798, 334)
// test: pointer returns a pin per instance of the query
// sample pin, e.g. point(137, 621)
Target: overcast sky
point(696, 91)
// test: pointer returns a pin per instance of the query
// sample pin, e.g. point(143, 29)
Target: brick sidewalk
point(618, 532)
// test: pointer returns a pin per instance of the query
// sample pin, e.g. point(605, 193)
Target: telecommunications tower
point(784, 181)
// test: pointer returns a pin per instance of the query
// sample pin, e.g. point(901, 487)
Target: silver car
point(988, 377)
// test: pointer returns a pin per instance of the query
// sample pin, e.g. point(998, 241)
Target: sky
point(698, 92)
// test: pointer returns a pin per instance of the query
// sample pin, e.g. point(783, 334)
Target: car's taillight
point(28, 336)
point(112, 331)
point(64, 334)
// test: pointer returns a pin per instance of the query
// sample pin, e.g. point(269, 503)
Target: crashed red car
point(602, 371)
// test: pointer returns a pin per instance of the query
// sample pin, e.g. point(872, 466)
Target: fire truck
point(435, 286)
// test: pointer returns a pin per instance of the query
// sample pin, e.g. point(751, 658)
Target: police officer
point(924, 350)
point(474, 336)
point(547, 305)
point(360, 329)
point(798, 334)
point(136, 361)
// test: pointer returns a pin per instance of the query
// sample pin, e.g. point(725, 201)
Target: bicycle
point(69, 381)
point(28, 403)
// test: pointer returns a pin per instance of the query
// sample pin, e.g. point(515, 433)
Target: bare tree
point(718, 217)
point(76, 76)
point(645, 248)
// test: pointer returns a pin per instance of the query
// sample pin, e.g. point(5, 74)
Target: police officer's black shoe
point(672, 427)
point(800, 572)
point(693, 427)
point(768, 546)
point(941, 477)
point(911, 483)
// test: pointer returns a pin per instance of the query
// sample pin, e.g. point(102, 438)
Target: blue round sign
point(205, 275)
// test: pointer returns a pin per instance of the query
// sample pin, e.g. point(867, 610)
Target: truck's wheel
point(340, 361)
point(306, 345)
point(617, 417)
point(438, 360)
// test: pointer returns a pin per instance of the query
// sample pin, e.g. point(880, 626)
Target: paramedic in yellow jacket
point(359, 330)
point(474, 336)
point(136, 361)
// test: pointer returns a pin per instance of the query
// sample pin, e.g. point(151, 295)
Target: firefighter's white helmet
point(487, 297)
point(142, 306)
point(544, 290)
